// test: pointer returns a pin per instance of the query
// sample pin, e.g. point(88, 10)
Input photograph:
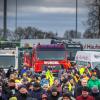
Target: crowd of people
point(75, 83)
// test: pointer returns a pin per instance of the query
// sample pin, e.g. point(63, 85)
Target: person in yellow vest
point(81, 70)
point(67, 88)
point(50, 77)
point(25, 79)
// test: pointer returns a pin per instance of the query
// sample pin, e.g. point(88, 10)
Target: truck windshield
point(51, 55)
point(7, 61)
point(72, 49)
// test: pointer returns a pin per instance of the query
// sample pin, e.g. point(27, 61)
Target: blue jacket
point(23, 71)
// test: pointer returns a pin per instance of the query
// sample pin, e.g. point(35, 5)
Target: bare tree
point(71, 34)
point(31, 33)
point(93, 21)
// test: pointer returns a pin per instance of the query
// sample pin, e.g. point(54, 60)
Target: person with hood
point(23, 94)
point(95, 93)
point(44, 81)
point(10, 71)
point(54, 94)
point(94, 81)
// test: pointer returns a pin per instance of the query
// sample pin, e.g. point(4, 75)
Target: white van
point(9, 57)
point(85, 57)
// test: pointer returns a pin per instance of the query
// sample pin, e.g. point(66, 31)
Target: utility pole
point(76, 16)
point(5, 19)
point(16, 18)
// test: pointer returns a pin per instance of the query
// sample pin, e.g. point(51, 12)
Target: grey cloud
point(46, 3)
point(1, 5)
point(47, 21)
point(22, 4)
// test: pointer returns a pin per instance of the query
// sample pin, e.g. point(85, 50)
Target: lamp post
point(5, 19)
point(16, 17)
point(76, 16)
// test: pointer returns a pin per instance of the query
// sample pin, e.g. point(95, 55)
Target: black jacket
point(24, 97)
point(96, 96)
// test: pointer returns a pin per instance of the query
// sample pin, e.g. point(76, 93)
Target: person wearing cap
point(94, 81)
point(95, 93)
point(85, 94)
point(54, 94)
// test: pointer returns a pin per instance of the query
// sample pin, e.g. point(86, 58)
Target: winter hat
point(54, 89)
point(95, 89)
point(44, 95)
point(22, 86)
point(36, 84)
point(66, 95)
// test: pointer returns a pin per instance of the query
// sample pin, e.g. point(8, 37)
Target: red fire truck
point(52, 57)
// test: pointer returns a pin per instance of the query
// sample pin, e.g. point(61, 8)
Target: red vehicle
point(51, 57)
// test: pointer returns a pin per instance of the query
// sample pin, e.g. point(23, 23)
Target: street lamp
point(16, 17)
point(76, 15)
point(5, 19)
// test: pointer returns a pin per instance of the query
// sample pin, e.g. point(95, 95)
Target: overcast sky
point(47, 15)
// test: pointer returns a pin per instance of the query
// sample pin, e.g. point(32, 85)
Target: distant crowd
point(76, 83)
